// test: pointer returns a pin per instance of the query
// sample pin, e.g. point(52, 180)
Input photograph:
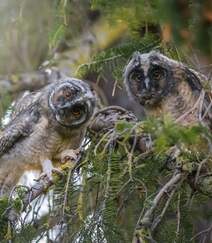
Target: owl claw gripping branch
point(43, 125)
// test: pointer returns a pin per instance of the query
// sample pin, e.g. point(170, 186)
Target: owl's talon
point(70, 156)
point(43, 176)
point(57, 172)
point(49, 175)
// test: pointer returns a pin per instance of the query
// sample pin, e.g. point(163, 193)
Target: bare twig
point(66, 191)
point(160, 217)
point(206, 231)
point(178, 216)
point(199, 169)
point(143, 232)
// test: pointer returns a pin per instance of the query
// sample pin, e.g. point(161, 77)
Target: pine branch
point(41, 187)
point(114, 121)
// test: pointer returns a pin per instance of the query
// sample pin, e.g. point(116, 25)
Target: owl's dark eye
point(137, 75)
point(157, 73)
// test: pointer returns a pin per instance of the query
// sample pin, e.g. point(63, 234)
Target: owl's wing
point(196, 81)
point(23, 102)
point(18, 128)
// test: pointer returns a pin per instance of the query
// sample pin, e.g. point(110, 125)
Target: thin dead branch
point(146, 223)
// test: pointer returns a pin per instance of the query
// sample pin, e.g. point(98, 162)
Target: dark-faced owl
point(164, 86)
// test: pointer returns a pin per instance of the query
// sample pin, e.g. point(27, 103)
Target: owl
point(167, 87)
point(42, 126)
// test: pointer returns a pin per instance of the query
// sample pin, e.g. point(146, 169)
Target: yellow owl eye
point(76, 112)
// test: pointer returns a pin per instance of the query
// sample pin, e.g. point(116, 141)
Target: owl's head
point(72, 102)
point(149, 77)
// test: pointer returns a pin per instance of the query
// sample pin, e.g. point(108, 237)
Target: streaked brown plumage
point(42, 125)
point(167, 87)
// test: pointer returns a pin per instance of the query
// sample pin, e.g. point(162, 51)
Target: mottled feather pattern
point(36, 132)
point(168, 87)
point(19, 127)
point(24, 102)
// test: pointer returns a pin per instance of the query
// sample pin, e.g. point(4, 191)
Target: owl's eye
point(137, 75)
point(76, 111)
point(67, 93)
point(157, 73)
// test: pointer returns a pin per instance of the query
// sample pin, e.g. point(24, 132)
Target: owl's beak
point(147, 83)
point(64, 106)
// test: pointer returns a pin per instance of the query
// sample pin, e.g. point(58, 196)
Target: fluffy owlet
point(167, 87)
point(42, 125)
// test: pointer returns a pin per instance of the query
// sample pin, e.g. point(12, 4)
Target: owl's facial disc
point(73, 115)
point(72, 104)
point(147, 85)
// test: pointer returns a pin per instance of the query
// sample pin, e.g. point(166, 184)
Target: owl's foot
point(70, 156)
point(43, 177)
point(49, 170)
point(68, 159)
point(58, 172)
point(50, 174)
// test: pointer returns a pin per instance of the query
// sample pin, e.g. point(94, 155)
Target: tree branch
point(98, 37)
point(146, 225)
